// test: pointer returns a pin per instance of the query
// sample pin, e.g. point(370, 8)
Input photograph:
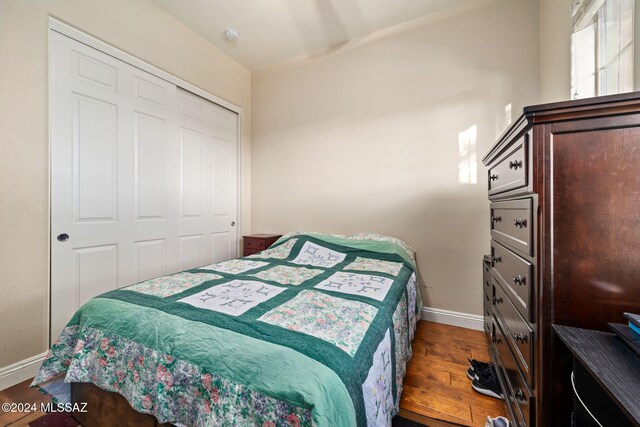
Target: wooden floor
point(21, 393)
point(437, 392)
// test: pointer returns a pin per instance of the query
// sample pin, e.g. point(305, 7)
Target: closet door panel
point(94, 159)
point(96, 270)
point(208, 176)
point(191, 251)
point(220, 177)
point(191, 170)
point(149, 259)
point(221, 246)
point(149, 166)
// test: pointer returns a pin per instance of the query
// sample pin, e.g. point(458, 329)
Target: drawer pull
point(496, 218)
point(497, 340)
point(497, 300)
point(496, 259)
point(519, 280)
point(493, 177)
point(520, 337)
point(520, 223)
point(519, 395)
point(515, 164)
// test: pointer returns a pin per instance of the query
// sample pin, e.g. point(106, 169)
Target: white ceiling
point(273, 31)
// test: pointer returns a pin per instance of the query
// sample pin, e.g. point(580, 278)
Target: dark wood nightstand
point(255, 243)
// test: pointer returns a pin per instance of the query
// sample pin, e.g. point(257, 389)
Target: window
point(602, 47)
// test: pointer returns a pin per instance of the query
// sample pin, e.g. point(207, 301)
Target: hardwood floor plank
point(436, 406)
point(24, 422)
point(7, 418)
point(431, 372)
point(479, 414)
point(462, 393)
point(440, 353)
point(19, 393)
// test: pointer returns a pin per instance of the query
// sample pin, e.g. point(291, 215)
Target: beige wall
point(364, 137)
point(136, 26)
point(555, 50)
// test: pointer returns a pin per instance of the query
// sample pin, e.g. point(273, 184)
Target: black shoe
point(480, 375)
point(489, 386)
point(478, 369)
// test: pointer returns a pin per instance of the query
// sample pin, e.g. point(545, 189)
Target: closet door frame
point(60, 27)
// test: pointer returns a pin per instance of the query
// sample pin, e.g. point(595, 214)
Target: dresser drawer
point(487, 314)
point(512, 224)
point(518, 332)
point(253, 244)
point(517, 393)
point(487, 293)
point(486, 275)
point(502, 376)
point(511, 171)
point(516, 275)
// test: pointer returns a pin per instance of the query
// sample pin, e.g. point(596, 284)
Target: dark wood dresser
point(564, 191)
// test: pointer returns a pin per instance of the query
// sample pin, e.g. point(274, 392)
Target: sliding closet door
point(208, 171)
point(136, 185)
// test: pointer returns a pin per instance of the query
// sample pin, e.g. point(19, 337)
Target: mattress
point(315, 330)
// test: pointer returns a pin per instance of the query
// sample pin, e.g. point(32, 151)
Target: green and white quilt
point(316, 330)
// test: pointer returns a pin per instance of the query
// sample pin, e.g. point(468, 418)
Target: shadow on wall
point(338, 37)
point(330, 23)
point(448, 252)
point(378, 138)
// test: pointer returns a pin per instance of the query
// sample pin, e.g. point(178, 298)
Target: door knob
point(233, 223)
point(63, 237)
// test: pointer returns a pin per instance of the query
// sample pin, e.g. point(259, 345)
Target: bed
point(315, 330)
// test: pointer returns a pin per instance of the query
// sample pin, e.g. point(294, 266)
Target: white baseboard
point(454, 318)
point(20, 371)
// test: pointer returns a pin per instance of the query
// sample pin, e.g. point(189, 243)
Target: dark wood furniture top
point(254, 243)
point(611, 362)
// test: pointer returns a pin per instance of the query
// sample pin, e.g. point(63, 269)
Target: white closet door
point(208, 171)
point(134, 195)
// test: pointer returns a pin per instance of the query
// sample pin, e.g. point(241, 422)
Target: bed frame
point(107, 409)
